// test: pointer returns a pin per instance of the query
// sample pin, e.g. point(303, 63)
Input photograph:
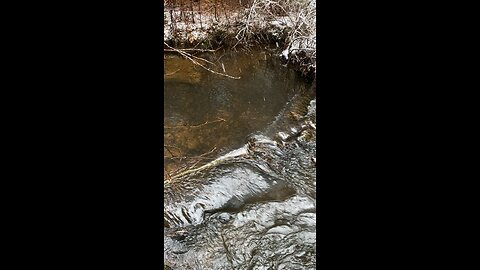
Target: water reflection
point(255, 208)
point(204, 111)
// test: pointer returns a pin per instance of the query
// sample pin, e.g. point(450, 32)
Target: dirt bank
point(288, 25)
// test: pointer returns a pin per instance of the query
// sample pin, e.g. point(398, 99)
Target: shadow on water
point(255, 208)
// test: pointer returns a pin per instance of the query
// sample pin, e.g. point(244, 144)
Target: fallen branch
point(192, 59)
point(196, 126)
point(189, 168)
point(191, 50)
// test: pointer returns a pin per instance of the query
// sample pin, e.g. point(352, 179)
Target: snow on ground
point(195, 27)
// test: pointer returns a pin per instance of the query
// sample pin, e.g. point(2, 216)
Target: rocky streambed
point(253, 206)
point(249, 202)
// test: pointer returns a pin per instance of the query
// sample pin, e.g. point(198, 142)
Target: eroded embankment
point(290, 25)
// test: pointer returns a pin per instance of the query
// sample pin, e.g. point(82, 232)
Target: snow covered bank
point(289, 24)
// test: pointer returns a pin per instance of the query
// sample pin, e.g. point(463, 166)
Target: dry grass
point(245, 19)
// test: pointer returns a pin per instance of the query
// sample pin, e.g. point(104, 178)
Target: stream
point(250, 145)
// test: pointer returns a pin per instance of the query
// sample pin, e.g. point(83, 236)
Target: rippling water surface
point(254, 205)
point(204, 110)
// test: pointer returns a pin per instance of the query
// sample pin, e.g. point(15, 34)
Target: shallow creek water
point(204, 111)
point(255, 206)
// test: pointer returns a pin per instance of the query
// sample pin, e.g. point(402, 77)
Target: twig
point(191, 50)
point(190, 57)
point(196, 126)
point(169, 74)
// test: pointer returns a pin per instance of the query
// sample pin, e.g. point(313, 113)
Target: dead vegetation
point(176, 162)
point(199, 61)
point(290, 24)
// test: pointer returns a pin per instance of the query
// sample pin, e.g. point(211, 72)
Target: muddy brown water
point(205, 111)
point(257, 211)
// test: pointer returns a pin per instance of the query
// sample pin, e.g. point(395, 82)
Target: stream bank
point(288, 25)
